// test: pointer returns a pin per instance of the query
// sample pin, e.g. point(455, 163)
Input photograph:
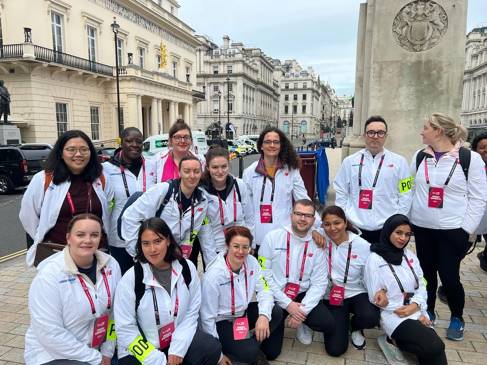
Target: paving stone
point(314, 359)
point(472, 357)
point(15, 355)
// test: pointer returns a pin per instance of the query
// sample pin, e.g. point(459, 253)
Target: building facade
point(57, 59)
point(239, 87)
point(474, 104)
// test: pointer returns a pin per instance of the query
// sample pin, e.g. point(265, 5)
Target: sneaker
point(442, 295)
point(455, 330)
point(261, 359)
point(358, 339)
point(304, 334)
point(432, 317)
point(390, 351)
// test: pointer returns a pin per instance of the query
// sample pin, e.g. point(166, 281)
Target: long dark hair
point(213, 152)
point(161, 229)
point(287, 153)
point(56, 165)
point(336, 210)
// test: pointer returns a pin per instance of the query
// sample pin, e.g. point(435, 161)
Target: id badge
point(186, 250)
point(241, 328)
point(100, 331)
point(291, 290)
point(337, 294)
point(365, 198)
point(435, 197)
point(407, 298)
point(266, 213)
point(165, 335)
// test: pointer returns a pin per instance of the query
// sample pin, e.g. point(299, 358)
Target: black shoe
point(483, 260)
point(442, 295)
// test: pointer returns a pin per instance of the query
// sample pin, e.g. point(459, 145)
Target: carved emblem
point(420, 25)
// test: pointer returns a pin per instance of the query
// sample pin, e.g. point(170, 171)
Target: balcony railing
point(51, 56)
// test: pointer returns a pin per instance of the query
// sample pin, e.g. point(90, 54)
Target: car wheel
point(5, 184)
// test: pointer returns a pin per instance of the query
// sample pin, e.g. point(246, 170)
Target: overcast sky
point(317, 33)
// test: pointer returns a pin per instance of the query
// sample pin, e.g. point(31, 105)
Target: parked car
point(36, 155)
point(105, 153)
point(250, 143)
point(14, 171)
point(233, 146)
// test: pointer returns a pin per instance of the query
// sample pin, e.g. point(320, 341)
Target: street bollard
point(240, 166)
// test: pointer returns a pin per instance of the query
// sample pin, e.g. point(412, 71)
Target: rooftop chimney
point(226, 41)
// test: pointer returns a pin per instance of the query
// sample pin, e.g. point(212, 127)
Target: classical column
point(159, 116)
point(153, 117)
point(139, 120)
point(176, 112)
point(186, 116)
point(172, 112)
point(130, 119)
point(190, 116)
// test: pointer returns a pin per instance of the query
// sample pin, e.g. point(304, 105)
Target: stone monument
point(410, 62)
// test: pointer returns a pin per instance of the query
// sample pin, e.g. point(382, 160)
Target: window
point(141, 54)
point(120, 51)
point(215, 106)
point(175, 69)
point(91, 43)
point(188, 74)
point(57, 31)
point(303, 109)
point(295, 85)
point(230, 87)
point(230, 106)
point(229, 69)
point(158, 60)
point(295, 109)
point(286, 109)
point(215, 69)
point(305, 85)
point(295, 97)
point(304, 96)
point(61, 118)
point(286, 97)
point(95, 122)
point(215, 88)
point(286, 86)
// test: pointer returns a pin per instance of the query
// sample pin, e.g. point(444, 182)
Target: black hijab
point(384, 248)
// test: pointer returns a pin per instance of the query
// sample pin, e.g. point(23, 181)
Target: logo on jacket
point(390, 165)
point(411, 261)
point(251, 273)
point(286, 173)
point(310, 254)
point(354, 256)
point(200, 209)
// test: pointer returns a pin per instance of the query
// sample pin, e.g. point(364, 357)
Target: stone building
point(239, 87)
point(474, 105)
point(57, 59)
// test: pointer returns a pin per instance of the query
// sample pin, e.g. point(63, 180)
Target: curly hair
point(287, 153)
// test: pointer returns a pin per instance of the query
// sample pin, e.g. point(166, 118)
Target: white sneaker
point(358, 340)
point(304, 334)
point(392, 353)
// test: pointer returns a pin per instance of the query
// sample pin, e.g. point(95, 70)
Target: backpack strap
point(47, 179)
point(186, 272)
point(139, 286)
point(167, 197)
point(237, 188)
point(420, 157)
point(465, 155)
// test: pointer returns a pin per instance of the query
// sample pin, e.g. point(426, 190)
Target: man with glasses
point(373, 183)
point(296, 271)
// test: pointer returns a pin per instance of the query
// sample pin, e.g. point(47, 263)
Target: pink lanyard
point(426, 175)
point(88, 295)
point(72, 208)
point(222, 213)
point(303, 261)
point(232, 285)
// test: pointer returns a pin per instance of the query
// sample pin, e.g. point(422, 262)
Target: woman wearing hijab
point(395, 283)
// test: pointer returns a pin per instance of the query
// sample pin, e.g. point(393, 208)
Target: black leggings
point(371, 236)
point(422, 341)
point(442, 251)
point(123, 258)
point(246, 350)
point(366, 315)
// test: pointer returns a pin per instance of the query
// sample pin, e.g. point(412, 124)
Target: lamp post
point(219, 113)
point(115, 28)
point(228, 99)
point(292, 121)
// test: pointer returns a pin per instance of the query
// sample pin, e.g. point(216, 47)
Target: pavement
point(15, 279)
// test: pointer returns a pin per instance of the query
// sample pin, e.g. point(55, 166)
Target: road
point(12, 235)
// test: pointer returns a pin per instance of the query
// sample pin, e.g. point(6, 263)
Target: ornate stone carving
point(420, 25)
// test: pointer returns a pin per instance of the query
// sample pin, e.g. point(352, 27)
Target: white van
point(200, 143)
point(253, 137)
point(154, 145)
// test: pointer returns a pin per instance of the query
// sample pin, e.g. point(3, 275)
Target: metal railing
point(12, 51)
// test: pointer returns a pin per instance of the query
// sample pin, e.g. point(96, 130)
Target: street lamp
point(219, 113)
point(116, 28)
point(228, 100)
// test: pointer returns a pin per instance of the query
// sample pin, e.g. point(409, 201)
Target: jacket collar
point(208, 186)
point(150, 280)
point(453, 152)
point(308, 237)
point(71, 268)
point(367, 153)
point(197, 193)
point(260, 168)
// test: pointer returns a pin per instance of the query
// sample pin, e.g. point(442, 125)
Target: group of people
point(116, 247)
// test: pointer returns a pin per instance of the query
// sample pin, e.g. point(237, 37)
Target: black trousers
point(422, 341)
point(246, 350)
point(442, 251)
point(204, 350)
point(365, 315)
point(123, 258)
point(195, 252)
point(371, 236)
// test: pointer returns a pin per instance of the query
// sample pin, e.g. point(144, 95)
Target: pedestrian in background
point(71, 183)
point(71, 301)
point(373, 183)
point(448, 204)
point(128, 172)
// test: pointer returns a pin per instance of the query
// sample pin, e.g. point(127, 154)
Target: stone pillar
point(139, 119)
point(186, 115)
point(159, 116)
point(176, 112)
point(172, 112)
point(410, 63)
point(131, 118)
point(153, 117)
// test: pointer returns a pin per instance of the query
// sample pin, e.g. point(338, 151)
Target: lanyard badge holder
point(187, 246)
point(100, 326)
point(266, 209)
point(337, 292)
point(124, 179)
point(366, 196)
point(292, 289)
point(166, 331)
point(436, 194)
point(406, 295)
point(240, 324)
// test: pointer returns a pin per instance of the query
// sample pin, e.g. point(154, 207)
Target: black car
point(105, 153)
point(36, 155)
point(14, 171)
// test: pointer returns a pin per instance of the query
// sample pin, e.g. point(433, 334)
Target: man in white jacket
point(373, 183)
point(296, 271)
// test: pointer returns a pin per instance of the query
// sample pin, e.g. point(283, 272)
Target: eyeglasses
point(244, 248)
point(82, 151)
point(379, 134)
point(268, 142)
point(303, 215)
point(182, 138)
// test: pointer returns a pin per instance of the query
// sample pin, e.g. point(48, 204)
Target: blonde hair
point(453, 131)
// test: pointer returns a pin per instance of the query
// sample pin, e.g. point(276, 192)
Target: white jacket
point(391, 195)
point(186, 321)
point(288, 185)
point(212, 235)
point(61, 325)
point(39, 211)
point(216, 293)
point(464, 201)
point(378, 276)
point(161, 159)
point(272, 257)
point(146, 207)
point(134, 184)
point(359, 255)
